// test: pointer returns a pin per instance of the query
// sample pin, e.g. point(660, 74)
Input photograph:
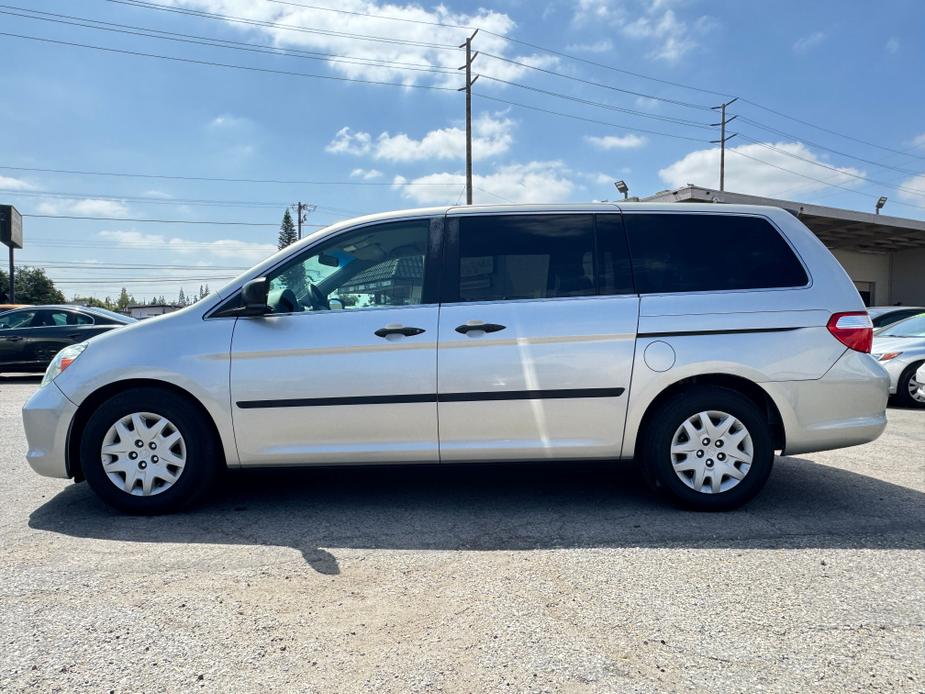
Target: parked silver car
point(695, 339)
point(882, 316)
point(900, 348)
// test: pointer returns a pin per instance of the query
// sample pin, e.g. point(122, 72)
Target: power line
point(817, 180)
point(561, 54)
point(843, 172)
point(170, 177)
point(598, 104)
point(90, 265)
point(205, 41)
point(265, 49)
point(830, 131)
point(602, 85)
point(209, 63)
point(371, 16)
point(279, 25)
point(768, 128)
point(586, 120)
point(155, 221)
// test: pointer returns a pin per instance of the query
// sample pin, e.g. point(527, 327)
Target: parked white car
point(900, 349)
point(695, 339)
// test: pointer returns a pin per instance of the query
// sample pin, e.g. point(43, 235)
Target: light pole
point(880, 203)
point(623, 188)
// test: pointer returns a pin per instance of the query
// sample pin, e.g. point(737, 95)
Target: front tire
point(148, 451)
point(708, 449)
point(910, 392)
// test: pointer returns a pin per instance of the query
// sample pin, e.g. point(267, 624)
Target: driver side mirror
point(254, 298)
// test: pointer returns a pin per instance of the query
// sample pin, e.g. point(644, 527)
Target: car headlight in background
point(62, 360)
point(886, 356)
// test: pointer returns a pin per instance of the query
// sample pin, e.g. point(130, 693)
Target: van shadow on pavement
point(506, 507)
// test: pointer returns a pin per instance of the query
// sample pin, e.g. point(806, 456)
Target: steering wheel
point(316, 299)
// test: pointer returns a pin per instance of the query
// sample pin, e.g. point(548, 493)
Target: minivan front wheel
point(709, 448)
point(148, 451)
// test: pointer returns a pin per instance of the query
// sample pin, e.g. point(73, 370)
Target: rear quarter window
point(709, 252)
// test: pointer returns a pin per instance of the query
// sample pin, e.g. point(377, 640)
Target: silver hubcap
point(916, 390)
point(711, 452)
point(143, 454)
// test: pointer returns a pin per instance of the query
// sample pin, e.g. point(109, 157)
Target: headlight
point(62, 360)
point(886, 356)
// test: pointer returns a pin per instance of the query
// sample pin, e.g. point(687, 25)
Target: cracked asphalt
point(527, 578)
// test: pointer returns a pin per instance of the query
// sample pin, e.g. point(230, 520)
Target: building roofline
point(692, 193)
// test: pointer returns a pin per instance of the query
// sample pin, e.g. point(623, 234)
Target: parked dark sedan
point(31, 336)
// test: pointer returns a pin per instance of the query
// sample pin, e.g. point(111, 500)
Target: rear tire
point(689, 457)
point(148, 451)
point(904, 387)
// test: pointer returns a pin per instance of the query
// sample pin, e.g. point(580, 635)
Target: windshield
point(122, 318)
point(911, 327)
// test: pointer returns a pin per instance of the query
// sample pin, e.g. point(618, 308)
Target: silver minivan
point(696, 340)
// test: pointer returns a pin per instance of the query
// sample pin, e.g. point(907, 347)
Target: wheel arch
point(744, 386)
point(100, 395)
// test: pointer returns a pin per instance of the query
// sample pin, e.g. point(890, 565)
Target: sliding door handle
point(398, 330)
point(473, 326)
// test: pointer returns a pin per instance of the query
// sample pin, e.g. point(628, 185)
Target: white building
point(141, 311)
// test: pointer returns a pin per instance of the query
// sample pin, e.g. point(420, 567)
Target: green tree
point(32, 286)
point(125, 300)
point(182, 298)
point(287, 232)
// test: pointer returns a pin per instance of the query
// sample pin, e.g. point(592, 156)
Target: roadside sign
point(10, 226)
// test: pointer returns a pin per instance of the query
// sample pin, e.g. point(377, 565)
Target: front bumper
point(47, 418)
point(846, 407)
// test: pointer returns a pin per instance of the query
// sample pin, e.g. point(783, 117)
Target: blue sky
point(354, 147)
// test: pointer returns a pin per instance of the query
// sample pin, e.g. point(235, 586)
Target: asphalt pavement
point(526, 578)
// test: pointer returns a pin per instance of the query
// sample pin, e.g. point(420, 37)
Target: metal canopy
point(837, 228)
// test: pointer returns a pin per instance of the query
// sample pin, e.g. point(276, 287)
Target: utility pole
point(470, 56)
point(302, 209)
point(723, 139)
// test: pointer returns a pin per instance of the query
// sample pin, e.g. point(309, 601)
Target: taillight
point(853, 329)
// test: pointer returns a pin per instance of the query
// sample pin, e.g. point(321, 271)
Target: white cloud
point(914, 184)
point(365, 174)
point(244, 251)
point(608, 142)
point(919, 141)
point(654, 22)
point(9, 183)
point(348, 142)
point(809, 42)
point(892, 45)
point(90, 207)
point(745, 175)
point(533, 182)
point(491, 135)
point(338, 33)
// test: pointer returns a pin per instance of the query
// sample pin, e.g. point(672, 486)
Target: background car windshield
point(911, 327)
point(113, 315)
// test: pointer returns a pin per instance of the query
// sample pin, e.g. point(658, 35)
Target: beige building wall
point(909, 277)
point(869, 267)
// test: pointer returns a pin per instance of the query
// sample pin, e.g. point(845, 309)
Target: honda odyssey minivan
point(696, 340)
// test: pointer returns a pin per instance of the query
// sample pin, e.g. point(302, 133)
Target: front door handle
point(472, 326)
point(14, 338)
point(398, 330)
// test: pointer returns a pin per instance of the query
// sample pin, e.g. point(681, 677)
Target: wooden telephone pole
point(470, 56)
point(723, 139)
point(302, 210)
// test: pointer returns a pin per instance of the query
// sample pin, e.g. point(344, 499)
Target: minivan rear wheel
point(708, 448)
point(148, 451)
